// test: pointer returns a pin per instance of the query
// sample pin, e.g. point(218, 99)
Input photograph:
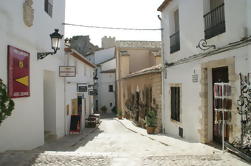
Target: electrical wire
point(114, 28)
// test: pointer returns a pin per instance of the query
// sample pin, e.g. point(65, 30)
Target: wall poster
point(18, 73)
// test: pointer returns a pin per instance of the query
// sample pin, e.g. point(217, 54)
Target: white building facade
point(26, 25)
point(190, 72)
point(77, 101)
point(106, 84)
point(105, 75)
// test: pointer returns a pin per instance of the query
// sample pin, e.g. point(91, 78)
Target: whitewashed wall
point(25, 128)
point(191, 31)
point(105, 97)
point(84, 75)
point(103, 55)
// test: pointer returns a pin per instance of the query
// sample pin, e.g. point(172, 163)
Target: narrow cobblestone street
point(118, 143)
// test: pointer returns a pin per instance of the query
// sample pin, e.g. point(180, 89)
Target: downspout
point(65, 108)
point(163, 73)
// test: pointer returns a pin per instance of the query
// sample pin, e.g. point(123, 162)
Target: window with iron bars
point(48, 7)
point(215, 19)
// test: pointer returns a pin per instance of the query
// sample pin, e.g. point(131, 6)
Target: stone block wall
point(141, 84)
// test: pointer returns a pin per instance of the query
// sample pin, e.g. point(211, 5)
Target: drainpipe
point(65, 116)
point(163, 72)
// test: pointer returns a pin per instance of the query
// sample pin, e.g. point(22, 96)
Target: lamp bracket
point(168, 64)
point(42, 55)
point(203, 45)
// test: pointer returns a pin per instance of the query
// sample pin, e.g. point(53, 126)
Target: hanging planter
point(6, 103)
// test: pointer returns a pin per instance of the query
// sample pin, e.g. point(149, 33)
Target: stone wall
point(149, 89)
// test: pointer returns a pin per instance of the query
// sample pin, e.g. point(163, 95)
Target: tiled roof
point(153, 69)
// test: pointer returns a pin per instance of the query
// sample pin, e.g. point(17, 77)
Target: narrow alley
point(119, 142)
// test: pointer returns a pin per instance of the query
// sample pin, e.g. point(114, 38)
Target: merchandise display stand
point(222, 107)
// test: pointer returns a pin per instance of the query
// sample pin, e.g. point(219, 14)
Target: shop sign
point(90, 86)
point(81, 87)
point(67, 71)
point(18, 73)
point(93, 92)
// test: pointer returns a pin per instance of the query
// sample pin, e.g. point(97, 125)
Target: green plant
point(103, 109)
point(6, 103)
point(114, 110)
point(151, 118)
point(119, 111)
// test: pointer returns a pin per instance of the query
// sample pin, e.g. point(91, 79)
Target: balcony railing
point(175, 42)
point(215, 22)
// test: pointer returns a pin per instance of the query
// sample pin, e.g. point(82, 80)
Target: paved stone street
point(118, 143)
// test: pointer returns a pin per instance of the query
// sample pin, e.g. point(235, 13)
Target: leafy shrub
point(151, 118)
point(114, 110)
point(103, 109)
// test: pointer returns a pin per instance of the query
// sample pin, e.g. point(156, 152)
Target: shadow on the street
point(107, 116)
point(68, 143)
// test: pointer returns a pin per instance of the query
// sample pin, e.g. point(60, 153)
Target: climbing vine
point(6, 103)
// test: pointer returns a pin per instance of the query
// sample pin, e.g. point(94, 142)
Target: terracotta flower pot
point(150, 130)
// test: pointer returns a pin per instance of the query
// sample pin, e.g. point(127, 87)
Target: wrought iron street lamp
point(55, 45)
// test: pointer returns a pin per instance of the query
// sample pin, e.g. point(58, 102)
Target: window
point(110, 88)
point(215, 19)
point(175, 37)
point(48, 6)
point(175, 103)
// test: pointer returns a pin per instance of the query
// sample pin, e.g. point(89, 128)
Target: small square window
point(110, 88)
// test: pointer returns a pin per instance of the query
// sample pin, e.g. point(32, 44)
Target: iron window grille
point(48, 6)
point(110, 88)
point(215, 22)
point(175, 42)
point(175, 103)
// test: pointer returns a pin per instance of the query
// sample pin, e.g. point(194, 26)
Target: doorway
point(49, 106)
point(219, 75)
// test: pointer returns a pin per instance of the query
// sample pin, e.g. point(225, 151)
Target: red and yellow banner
point(18, 72)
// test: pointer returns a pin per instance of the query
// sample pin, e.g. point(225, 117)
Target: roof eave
point(163, 5)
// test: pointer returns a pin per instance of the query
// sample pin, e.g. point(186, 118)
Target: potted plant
point(119, 113)
point(103, 109)
point(151, 120)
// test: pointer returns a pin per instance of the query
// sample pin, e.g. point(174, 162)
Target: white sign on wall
point(67, 71)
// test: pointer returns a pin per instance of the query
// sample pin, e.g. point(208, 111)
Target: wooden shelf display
point(222, 107)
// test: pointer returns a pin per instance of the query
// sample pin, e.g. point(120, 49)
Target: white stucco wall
point(84, 75)
point(103, 55)
point(109, 65)
point(24, 129)
point(191, 32)
point(104, 96)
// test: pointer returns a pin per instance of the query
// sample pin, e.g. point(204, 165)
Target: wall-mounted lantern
point(55, 45)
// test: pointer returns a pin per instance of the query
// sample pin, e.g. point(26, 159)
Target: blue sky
point(113, 13)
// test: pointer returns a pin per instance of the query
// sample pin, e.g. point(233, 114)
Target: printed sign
point(67, 71)
point(18, 73)
point(195, 78)
point(93, 92)
point(82, 88)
